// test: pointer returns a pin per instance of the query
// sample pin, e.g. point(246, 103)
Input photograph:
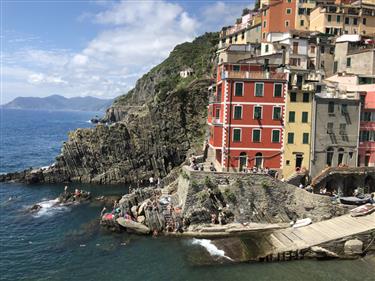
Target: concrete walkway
point(292, 239)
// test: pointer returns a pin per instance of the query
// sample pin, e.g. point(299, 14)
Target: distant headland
point(58, 103)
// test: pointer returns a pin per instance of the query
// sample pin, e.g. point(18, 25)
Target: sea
point(67, 243)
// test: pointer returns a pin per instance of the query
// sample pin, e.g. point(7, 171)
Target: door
point(243, 161)
point(299, 160)
point(259, 160)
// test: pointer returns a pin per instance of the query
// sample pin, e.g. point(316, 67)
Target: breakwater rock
point(147, 132)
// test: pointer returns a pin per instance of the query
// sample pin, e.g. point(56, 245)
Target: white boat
point(362, 210)
point(302, 222)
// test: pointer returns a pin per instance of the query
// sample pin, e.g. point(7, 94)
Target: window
point(288, 11)
point(344, 109)
point(329, 156)
point(286, 23)
point(237, 112)
point(330, 128)
point(305, 138)
point(322, 49)
point(292, 117)
point(329, 18)
point(306, 97)
point(338, 18)
point(264, 24)
point(277, 90)
point(256, 135)
point(348, 62)
point(276, 115)
point(295, 47)
point(257, 112)
point(236, 67)
point(275, 136)
point(305, 117)
point(293, 97)
point(302, 22)
point(335, 65)
point(266, 48)
point(238, 89)
point(290, 137)
point(331, 107)
point(347, 20)
point(217, 113)
point(364, 21)
point(355, 21)
point(342, 129)
point(243, 35)
point(264, 35)
point(259, 89)
point(236, 135)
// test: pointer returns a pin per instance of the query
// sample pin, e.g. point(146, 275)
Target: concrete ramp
point(295, 239)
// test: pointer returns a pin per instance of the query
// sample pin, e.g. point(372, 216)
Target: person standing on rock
point(151, 180)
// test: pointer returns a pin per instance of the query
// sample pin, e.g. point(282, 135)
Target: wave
point(50, 207)
point(211, 248)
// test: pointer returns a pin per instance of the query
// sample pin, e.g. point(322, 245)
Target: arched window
point(259, 160)
point(329, 156)
point(340, 156)
point(243, 161)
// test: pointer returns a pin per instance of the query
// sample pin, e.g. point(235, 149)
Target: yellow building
point(298, 127)
point(303, 11)
point(246, 30)
point(357, 18)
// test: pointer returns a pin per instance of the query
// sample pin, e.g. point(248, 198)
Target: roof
point(348, 38)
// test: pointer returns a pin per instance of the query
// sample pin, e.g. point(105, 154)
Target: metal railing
point(254, 75)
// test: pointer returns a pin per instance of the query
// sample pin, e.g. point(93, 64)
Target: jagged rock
point(147, 132)
point(353, 247)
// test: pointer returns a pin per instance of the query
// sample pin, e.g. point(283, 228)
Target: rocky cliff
point(147, 131)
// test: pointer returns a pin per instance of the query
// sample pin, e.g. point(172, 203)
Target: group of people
point(73, 196)
point(221, 218)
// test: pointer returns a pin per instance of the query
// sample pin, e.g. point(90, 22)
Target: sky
point(96, 48)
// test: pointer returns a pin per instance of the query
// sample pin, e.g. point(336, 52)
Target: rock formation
point(147, 132)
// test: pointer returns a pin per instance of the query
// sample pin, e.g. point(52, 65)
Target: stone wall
point(249, 198)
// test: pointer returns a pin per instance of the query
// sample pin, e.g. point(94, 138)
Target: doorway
point(299, 160)
point(243, 161)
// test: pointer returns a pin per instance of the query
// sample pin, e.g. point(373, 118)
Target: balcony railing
point(214, 99)
point(253, 75)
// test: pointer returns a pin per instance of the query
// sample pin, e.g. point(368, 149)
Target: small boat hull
point(354, 200)
point(133, 226)
point(362, 210)
point(302, 222)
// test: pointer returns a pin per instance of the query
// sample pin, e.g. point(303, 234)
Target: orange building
point(278, 16)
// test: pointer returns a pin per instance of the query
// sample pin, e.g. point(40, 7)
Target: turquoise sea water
point(66, 243)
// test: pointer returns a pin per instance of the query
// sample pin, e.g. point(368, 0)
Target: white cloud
point(135, 36)
point(40, 78)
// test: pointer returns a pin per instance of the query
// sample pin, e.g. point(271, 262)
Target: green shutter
point(275, 136)
point(278, 88)
point(257, 112)
point(256, 135)
point(291, 137)
point(236, 134)
point(237, 112)
point(305, 117)
point(238, 89)
point(259, 89)
point(305, 139)
point(277, 113)
point(292, 117)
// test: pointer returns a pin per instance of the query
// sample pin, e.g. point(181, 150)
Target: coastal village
point(293, 101)
point(289, 152)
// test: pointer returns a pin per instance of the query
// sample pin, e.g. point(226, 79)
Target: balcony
point(216, 121)
point(308, 87)
point(214, 99)
point(254, 75)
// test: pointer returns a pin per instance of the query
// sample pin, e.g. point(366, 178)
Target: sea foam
point(211, 248)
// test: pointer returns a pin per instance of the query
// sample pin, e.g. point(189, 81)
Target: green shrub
point(185, 175)
point(202, 196)
point(229, 194)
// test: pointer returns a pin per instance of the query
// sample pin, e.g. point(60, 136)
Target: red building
point(366, 155)
point(246, 117)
